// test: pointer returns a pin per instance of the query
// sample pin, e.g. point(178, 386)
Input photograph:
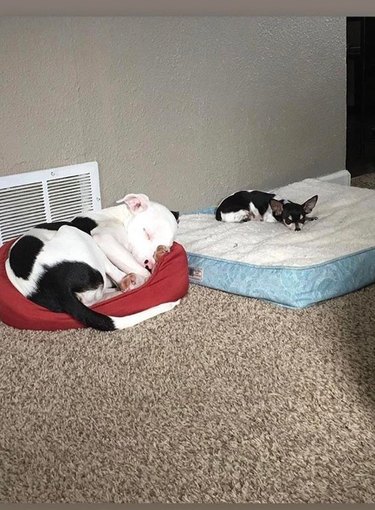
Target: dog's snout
point(298, 229)
point(149, 264)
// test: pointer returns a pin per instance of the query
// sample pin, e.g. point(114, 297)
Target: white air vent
point(47, 195)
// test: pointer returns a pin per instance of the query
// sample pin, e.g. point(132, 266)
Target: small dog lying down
point(261, 206)
point(69, 266)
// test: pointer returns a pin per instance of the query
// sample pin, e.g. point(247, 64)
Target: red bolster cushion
point(169, 282)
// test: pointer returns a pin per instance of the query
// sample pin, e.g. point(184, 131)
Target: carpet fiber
point(224, 399)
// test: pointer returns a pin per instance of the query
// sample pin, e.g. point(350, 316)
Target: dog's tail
point(58, 289)
point(90, 318)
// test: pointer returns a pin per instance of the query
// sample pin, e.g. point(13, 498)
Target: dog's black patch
point(53, 225)
point(176, 214)
point(57, 289)
point(261, 200)
point(23, 254)
point(83, 223)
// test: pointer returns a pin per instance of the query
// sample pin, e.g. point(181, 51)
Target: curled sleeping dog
point(261, 206)
point(69, 266)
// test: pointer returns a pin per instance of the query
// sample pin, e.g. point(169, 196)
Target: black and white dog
point(69, 266)
point(261, 206)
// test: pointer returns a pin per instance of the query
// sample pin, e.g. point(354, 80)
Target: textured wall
point(183, 109)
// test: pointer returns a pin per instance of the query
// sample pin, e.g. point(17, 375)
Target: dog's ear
point(309, 205)
point(136, 202)
point(176, 214)
point(276, 206)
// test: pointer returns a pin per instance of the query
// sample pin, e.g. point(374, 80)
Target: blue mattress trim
point(293, 287)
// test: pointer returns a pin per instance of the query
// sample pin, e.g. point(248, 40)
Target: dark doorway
point(360, 146)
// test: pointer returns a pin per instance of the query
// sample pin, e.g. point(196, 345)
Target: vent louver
point(47, 195)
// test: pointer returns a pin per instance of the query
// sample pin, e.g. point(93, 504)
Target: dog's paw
point(160, 251)
point(131, 281)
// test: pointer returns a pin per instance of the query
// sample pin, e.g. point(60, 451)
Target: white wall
point(185, 109)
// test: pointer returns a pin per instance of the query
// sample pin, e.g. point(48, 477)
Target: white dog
point(68, 266)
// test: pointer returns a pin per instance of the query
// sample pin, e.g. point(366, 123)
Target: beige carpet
point(224, 399)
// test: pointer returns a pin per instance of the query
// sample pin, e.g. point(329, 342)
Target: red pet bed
point(169, 282)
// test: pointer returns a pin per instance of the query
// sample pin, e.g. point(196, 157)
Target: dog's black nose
point(298, 229)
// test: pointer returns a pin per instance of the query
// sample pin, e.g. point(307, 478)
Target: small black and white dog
point(261, 206)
